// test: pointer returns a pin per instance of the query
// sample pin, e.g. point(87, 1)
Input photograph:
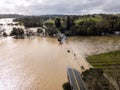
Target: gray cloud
point(40, 7)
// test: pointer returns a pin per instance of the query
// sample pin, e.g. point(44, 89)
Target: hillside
point(11, 16)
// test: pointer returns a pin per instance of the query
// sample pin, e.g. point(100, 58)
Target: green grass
point(96, 19)
point(51, 21)
point(108, 62)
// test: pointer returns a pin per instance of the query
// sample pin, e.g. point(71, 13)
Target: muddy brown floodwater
point(41, 63)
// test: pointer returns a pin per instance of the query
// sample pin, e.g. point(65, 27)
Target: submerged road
point(75, 80)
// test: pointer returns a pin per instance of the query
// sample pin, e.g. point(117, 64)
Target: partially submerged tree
point(39, 30)
point(17, 33)
point(5, 34)
point(66, 86)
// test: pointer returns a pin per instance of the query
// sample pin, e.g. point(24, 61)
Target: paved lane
point(75, 79)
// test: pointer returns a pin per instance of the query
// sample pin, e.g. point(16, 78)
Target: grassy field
point(108, 62)
point(96, 19)
point(51, 21)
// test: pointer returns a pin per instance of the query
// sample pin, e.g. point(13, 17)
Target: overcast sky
point(42, 7)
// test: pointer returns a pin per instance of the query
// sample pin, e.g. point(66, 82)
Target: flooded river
point(41, 63)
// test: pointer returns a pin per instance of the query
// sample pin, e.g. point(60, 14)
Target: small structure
point(117, 32)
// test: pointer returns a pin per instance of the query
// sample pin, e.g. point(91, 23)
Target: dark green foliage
point(66, 86)
point(86, 25)
point(58, 23)
point(51, 29)
point(69, 23)
point(92, 25)
point(5, 34)
point(17, 32)
point(49, 25)
point(31, 21)
point(39, 30)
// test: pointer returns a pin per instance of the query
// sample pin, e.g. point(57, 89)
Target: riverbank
point(109, 63)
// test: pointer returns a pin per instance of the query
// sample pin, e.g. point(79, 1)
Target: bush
point(5, 34)
point(17, 32)
point(66, 86)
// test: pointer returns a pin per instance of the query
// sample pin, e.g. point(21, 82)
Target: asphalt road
point(75, 79)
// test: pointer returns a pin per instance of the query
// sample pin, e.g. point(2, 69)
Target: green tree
point(58, 23)
point(39, 31)
point(5, 34)
point(66, 86)
point(69, 23)
point(17, 32)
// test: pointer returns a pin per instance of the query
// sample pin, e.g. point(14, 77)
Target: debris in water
point(74, 54)
point(82, 67)
point(68, 51)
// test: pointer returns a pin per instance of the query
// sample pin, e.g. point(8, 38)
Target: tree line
point(89, 27)
point(86, 25)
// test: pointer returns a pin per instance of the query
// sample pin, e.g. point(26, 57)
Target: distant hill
point(52, 15)
point(11, 16)
point(28, 16)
